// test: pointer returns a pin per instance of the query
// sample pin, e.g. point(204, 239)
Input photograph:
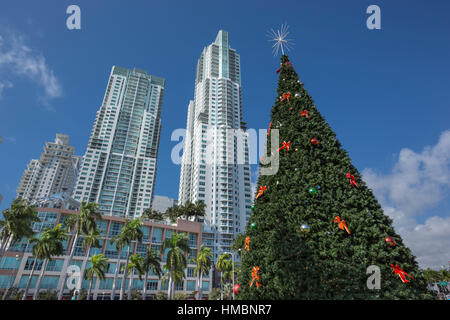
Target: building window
point(30, 262)
point(157, 235)
point(190, 285)
point(115, 229)
point(179, 286)
point(10, 263)
point(190, 272)
point(106, 284)
point(54, 265)
point(152, 285)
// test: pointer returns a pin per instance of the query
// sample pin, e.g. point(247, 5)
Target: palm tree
point(174, 277)
point(152, 214)
point(41, 250)
point(17, 223)
point(133, 232)
point(92, 239)
point(431, 276)
point(152, 261)
point(203, 266)
point(136, 263)
point(121, 240)
point(198, 210)
point(81, 223)
point(55, 236)
point(97, 269)
point(186, 211)
point(44, 248)
point(173, 213)
point(224, 265)
point(176, 261)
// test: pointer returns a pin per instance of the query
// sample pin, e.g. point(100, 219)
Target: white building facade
point(215, 165)
point(119, 166)
point(162, 203)
point(55, 171)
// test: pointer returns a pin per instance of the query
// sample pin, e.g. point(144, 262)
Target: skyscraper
point(215, 165)
point(119, 166)
point(55, 172)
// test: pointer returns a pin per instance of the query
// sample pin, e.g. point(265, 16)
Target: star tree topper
point(280, 40)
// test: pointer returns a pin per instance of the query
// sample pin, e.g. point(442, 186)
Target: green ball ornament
point(252, 207)
point(253, 226)
point(312, 191)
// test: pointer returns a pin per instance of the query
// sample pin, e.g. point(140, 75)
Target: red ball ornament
point(236, 289)
point(291, 108)
point(314, 142)
point(390, 241)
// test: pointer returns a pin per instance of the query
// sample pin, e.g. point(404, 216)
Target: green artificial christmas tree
point(315, 226)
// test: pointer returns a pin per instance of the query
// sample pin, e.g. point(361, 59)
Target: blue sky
point(382, 91)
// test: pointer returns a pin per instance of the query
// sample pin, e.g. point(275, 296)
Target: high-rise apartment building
point(119, 167)
point(55, 171)
point(215, 166)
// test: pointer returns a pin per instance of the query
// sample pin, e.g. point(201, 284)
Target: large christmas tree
point(315, 226)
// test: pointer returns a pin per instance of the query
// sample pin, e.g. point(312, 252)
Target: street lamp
point(232, 266)
point(233, 270)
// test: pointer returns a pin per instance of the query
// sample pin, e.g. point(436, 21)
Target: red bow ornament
point(247, 243)
point(352, 180)
point(286, 96)
point(260, 192)
point(287, 64)
point(400, 273)
point(342, 224)
point(255, 276)
point(286, 145)
point(304, 113)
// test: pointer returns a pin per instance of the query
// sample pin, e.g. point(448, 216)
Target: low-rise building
point(16, 265)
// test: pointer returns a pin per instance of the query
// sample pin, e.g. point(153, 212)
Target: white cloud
point(417, 183)
point(4, 84)
point(430, 242)
point(18, 59)
point(10, 139)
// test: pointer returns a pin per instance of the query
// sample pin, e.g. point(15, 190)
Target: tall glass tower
point(119, 167)
point(215, 165)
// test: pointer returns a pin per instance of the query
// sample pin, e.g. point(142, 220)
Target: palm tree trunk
point(69, 262)
point(38, 284)
point(25, 293)
point(116, 273)
point(144, 289)
point(4, 245)
point(83, 270)
point(170, 286)
point(200, 286)
point(221, 285)
point(173, 289)
point(89, 289)
point(124, 278)
point(197, 287)
point(130, 283)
